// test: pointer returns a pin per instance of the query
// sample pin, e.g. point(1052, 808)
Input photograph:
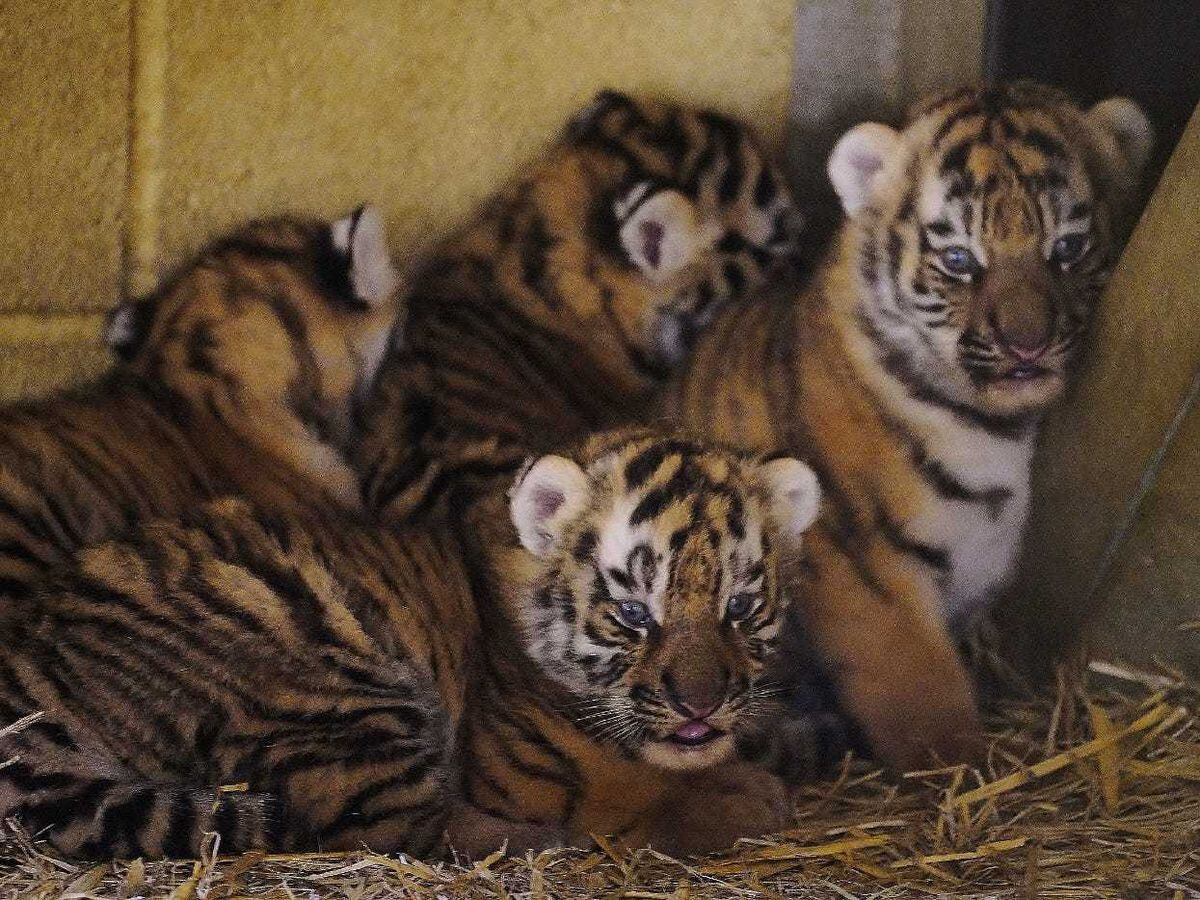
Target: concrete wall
point(238, 109)
point(869, 59)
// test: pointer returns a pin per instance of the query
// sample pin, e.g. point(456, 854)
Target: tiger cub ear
point(1122, 121)
point(661, 230)
point(127, 327)
point(546, 496)
point(856, 162)
point(794, 493)
point(362, 237)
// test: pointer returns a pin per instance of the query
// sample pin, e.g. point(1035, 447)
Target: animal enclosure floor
point(1091, 792)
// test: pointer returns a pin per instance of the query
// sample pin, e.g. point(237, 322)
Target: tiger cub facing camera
point(561, 310)
point(631, 619)
point(914, 372)
point(631, 598)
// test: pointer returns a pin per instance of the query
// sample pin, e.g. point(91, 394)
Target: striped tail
point(102, 818)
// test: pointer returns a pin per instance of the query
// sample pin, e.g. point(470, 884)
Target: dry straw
point(1090, 792)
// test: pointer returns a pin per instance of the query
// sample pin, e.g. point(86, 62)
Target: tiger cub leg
point(898, 671)
point(475, 833)
point(91, 808)
point(389, 796)
point(379, 778)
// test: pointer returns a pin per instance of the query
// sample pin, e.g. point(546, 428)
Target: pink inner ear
point(866, 163)
point(652, 237)
point(546, 502)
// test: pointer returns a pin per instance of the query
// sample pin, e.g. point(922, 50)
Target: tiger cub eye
point(959, 261)
point(634, 613)
point(1069, 248)
point(739, 606)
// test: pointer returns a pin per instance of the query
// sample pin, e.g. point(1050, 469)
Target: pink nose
point(702, 710)
point(1027, 354)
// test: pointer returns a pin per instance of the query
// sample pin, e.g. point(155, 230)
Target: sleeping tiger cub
point(317, 662)
point(913, 374)
point(560, 311)
point(631, 607)
point(254, 353)
point(287, 641)
point(631, 598)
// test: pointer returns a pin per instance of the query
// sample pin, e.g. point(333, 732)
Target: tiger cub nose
point(1026, 339)
point(696, 697)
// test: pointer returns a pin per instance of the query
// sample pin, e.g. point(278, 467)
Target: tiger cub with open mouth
point(632, 601)
point(914, 373)
point(631, 595)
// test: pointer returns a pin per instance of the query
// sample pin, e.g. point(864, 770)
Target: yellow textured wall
point(1115, 536)
point(425, 107)
point(64, 86)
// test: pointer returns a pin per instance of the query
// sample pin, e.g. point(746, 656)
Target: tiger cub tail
point(101, 818)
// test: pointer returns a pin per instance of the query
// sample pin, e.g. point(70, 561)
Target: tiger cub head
point(276, 330)
point(686, 214)
point(982, 234)
point(654, 587)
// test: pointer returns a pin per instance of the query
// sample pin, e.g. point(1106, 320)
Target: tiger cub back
point(319, 664)
point(564, 306)
point(241, 375)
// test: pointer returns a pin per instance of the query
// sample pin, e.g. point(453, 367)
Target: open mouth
point(1024, 373)
point(693, 734)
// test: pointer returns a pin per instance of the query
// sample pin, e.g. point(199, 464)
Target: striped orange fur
point(630, 619)
point(562, 308)
point(280, 639)
point(240, 376)
point(913, 373)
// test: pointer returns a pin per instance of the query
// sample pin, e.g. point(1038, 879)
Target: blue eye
point(634, 613)
point(1069, 248)
point(739, 606)
point(959, 261)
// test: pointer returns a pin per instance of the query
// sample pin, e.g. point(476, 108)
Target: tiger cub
point(255, 353)
point(914, 371)
point(317, 664)
point(631, 608)
point(562, 308)
point(332, 671)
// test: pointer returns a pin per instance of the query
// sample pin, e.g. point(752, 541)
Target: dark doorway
point(1145, 49)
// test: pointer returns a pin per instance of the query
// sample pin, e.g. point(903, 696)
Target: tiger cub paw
point(474, 834)
point(711, 810)
point(909, 743)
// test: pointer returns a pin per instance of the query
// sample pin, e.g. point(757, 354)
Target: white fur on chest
point(982, 540)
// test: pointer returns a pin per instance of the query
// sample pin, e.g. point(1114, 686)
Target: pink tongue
point(692, 731)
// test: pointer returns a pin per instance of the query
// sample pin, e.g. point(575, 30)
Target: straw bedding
point(1092, 790)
